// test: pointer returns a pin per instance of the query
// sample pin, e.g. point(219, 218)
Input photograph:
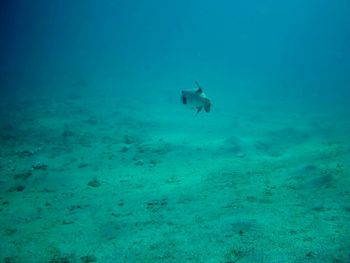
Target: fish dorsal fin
point(199, 88)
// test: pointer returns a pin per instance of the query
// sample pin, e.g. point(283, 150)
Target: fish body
point(196, 99)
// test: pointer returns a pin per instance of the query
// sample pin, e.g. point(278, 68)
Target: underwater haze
point(102, 160)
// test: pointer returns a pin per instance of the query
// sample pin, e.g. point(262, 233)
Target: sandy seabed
point(100, 180)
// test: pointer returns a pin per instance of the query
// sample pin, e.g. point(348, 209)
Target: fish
point(196, 99)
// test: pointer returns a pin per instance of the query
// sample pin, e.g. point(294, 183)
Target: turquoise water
point(101, 162)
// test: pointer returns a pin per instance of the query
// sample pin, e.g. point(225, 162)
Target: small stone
point(56, 259)
point(310, 254)
point(10, 231)
point(347, 208)
point(139, 163)
point(94, 183)
point(153, 162)
point(92, 121)
point(128, 139)
point(22, 176)
point(124, 149)
point(88, 259)
point(39, 166)
point(27, 153)
point(67, 133)
point(66, 222)
point(140, 150)
point(318, 207)
point(18, 188)
point(9, 260)
point(339, 165)
point(74, 207)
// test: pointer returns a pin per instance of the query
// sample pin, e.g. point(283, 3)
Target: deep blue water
point(266, 49)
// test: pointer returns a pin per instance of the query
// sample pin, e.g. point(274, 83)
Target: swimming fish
point(196, 99)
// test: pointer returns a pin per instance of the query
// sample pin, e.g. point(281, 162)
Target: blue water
point(288, 47)
point(97, 150)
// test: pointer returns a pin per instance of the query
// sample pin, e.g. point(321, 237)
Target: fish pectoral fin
point(199, 109)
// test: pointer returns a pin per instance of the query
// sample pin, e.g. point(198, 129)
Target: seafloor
point(108, 180)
